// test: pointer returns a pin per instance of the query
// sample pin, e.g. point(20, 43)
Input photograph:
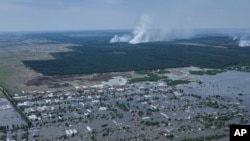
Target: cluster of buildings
point(144, 110)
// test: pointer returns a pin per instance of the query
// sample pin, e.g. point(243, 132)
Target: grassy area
point(206, 72)
point(1, 95)
point(243, 67)
point(14, 74)
point(122, 106)
point(176, 82)
point(162, 71)
point(5, 73)
point(154, 77)
point(143, 72)
point(150, 77)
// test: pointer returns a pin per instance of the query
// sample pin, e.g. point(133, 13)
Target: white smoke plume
point(243, 39)
point(148, 31)
point(117, 39)
point(143, 32)
point(235, 37)
point(244, 43)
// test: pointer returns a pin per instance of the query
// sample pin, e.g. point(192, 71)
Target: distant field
point(5, 73)
point(1, 95)
point(95, 55)
point(13, 49)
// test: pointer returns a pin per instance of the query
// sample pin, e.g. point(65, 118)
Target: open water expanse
point(230, 84)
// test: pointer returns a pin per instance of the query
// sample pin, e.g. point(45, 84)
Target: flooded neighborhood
point(202, 108)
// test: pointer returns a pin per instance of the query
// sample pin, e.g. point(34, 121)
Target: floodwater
point(8, 115)
point(229, 84)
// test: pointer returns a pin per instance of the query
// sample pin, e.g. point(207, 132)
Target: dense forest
point(96, 55)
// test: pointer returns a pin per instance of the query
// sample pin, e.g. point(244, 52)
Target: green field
point(206, 72)
point(5, 73)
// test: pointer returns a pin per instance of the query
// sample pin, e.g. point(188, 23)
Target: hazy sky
point(28, 15)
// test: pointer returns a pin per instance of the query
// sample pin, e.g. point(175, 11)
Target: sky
point(45, 15)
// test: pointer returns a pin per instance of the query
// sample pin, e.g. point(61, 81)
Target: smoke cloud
point(143, 32)
point(148, 31)
point(244, 43)
point(183, 25)
point(242, 39)
point(116, 39)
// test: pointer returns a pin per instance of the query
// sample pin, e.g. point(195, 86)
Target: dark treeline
point(96, 55)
